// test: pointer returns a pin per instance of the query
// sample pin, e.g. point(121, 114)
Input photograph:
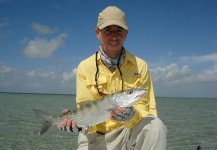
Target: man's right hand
point(67, 124)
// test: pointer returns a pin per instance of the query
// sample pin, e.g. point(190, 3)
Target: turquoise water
point(190, 122)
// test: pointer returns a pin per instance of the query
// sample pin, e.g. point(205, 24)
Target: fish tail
point(47, 118)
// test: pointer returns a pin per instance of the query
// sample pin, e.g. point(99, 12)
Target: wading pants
point(148, 134)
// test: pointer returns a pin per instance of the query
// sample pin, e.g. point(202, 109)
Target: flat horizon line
point(75, 95)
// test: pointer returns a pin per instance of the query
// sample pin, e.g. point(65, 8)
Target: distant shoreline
point(75, 95)
point(36, 93)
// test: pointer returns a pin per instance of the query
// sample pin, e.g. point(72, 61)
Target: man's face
point(112, 39)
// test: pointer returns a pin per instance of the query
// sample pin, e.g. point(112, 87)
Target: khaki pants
point(148, 134)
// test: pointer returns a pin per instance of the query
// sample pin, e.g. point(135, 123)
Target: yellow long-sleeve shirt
point(135, 74)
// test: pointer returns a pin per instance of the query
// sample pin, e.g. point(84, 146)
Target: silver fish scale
point(97, 111)
point(93, 113)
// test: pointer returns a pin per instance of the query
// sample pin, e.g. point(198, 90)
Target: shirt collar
point(129, 58)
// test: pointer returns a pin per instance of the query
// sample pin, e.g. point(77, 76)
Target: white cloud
point(199, 59)
point(43, 29)
point(66, 77)
point(42, 48)
point(39, 80)
point(173, 74)
point(170, 74)
point(41, 74)
point(195, 76)
point(208, 75)
point(170, 80)
point(4, 69)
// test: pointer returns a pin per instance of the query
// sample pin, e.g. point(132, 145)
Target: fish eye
point(130, 91)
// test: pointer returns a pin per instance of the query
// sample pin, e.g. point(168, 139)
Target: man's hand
point(122, 114)
point(68, 124)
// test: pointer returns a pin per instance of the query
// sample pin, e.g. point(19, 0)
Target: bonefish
point(95, 112)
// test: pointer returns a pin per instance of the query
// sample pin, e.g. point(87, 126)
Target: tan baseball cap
point(112, 16)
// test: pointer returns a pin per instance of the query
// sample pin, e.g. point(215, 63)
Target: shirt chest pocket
point(101, 84)
point(132, 82)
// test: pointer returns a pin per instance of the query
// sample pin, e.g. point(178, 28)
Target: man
point(113, 69)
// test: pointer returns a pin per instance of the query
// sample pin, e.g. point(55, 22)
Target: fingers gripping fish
point(97, 111)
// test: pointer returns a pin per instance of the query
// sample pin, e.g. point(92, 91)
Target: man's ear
point(126, 34)
point(97, 31)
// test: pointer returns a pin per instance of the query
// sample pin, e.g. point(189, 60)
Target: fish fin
point(85, 129)
point(45, 127)
point(47, 118)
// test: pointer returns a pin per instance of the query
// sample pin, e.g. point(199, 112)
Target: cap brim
point(113, 22)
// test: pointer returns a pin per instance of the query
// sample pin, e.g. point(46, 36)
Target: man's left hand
point(122, 114)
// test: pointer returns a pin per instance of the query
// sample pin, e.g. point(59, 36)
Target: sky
point(43, 41)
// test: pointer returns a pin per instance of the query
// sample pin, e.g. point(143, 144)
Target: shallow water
point(190, 122)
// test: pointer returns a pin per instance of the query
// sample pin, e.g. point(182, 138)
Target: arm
point(143, 108)
point(82, 96)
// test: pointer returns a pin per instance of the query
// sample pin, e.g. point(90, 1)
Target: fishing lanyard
point(97, 71)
